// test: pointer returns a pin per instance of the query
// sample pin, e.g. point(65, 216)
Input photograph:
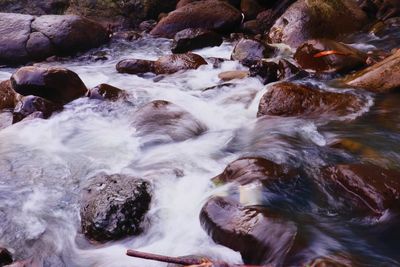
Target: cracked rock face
point(25, 38)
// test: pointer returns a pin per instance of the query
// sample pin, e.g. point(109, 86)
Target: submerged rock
point(191, 39)
point(209, 14)
point(106, 92)
point(260, 236)
point(173, 63)
point(135, 66)
point(167, 122)
point(249, 51)
point(289, 99)
point(311, 19)
point(366, 187)
point(34, 106)
point(381, 77)
point(325, 55)
point(7, 95)
point(113, 206)
point(55, 84)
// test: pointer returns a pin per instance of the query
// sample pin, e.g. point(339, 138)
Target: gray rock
point(39, 46)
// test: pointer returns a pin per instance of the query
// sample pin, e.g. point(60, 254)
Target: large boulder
point(366, 187)
point(381, 77)
point(249, 51)
point(289, 99)
point(55, 84)
point(259, 235)
point(166, 122)
point(14, 34)
point(191, 39)
point(70, 33)
point(325, 55)
point(173, 63)
point(34, 106)
point(311, 19)
point(113, 206)
point(209, 14)
point(7, 95)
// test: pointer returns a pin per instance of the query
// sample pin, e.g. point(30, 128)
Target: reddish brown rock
point(260, 236)
point(191, 39)
point(173, 63)
point(325, 55)
point(106, 92)
point(7, 95)
point(135, 66)
point(55, 84)
point(209, 14)
point(233, 74)
point(250, 8)
point(288, 99)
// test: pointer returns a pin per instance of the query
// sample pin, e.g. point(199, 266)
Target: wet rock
point(113, 206)
point(250, 8)
point(251, 27)
point(173, 63)
point(126, 35)
point(383, 10)
point(5, 257)
point(147, 25)
point(106, 92)
point(37, 7)
point(182, 3)
point(135, 66)
point(55, 84)
point(234, 74)
point(71, 33)
point(191, 39)
point(381, 77)
point(260, 236)
point(306, 20)
point(39, 46)
point(249, 51)
point(267, 70)
point(209, 14)
point(7, 95)
point(288, 99)
point(248, 170)
point(34, 106)
point(325, 55)
point(368, 187)
point(287, 70)
point(167, 122)
point(14, 33)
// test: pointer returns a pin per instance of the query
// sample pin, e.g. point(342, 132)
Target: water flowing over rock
point(106, 92)
point(135, 66)
point(173, 63)
point(55, 84)
point(7, 95)
point(167, 122)
point(288, 99)
point(35, 106)
point(310, 19)
point(325, 55)
point(260, 236)
point(210, 14)
point(249, 51)
point(191, 39)
point(113, 206)
point(381, 77)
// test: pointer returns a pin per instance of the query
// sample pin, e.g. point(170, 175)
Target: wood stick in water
point(167, 259)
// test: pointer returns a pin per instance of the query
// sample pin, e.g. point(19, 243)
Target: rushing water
point(44, 163)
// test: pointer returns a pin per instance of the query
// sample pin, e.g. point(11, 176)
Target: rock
point(135, 66)
point(233, 74)
point(14, 33)
point(250, 8)
point(267, 70)
point(381, 77)
point(106, 92)
point(288, 99)
point(5, 257)
point(7, 95)
point(71, 33)
point(338, 57)
point(249, 51)
point(250, 169)
point(209, 14)
point(367, 187)
point(287, 70)
point(55, 84)
point(167, 122)
point(252, 27)
point(260, 236)
point(39, 46)
point(312, 19)
point(37, 7)
point(173, 63)
point(113, 206)
point(147, 25)
point(191, 39)
point(383, 10)
point(182, 3)
point(39, 107)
